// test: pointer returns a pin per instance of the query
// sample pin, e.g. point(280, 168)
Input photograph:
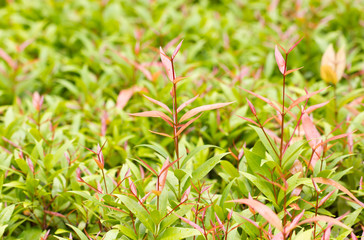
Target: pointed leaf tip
point(203, 108)
point(176, 50)
point(252, 108)
point(294, 45)
point(167, 63)
point(263, 210)
point(280, 60)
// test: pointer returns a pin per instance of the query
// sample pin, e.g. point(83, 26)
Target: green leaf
point(2, 229)
point(127, 231)
point(59, 153)
point(156, 148)
point(229, 169)
point(256, 164)
point(79, 233)
point(225, 194)
point(173, 233)
point(194, 152)
point(273, 151)
point(261, 185)
point(138, 211)
point(292, 154)
point(304, 235)
point(168, 221)
point(111, 235)
point(207, 166)
point(5, 214)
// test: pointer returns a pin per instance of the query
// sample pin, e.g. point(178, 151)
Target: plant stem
point(266, 136)
point(335, 106)
point(175, 115)
point(283, 113)
point(158, 195)
point(103, 175)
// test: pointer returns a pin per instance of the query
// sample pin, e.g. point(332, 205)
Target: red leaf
point(325, 219)
point(314, 107)
point(249, 120)
point(55, 214)
point(163, 175)
point(187, 124)
point(197, 110)
point(264, 99)
point(192, 224)
point(291, 71)
point(263, 210)
point(313, 137)
point(133, 188)
point(176, 50)
point(162, 134)
point(158, 103)
point(146, 165)
point(220, 223)
point(280, 60)
point(125, 95)
point(183, 105)
point(294, 45)
point(145, 197)
point(324, 199)
point(294, 223)
point(249, 220)
point(338, 186)
point(7, 59)
point(151, 114)
point(252, 108)
point(185, 194)
point(304, 98)
point(167, 63)
point(334, 138)
point(176, 80)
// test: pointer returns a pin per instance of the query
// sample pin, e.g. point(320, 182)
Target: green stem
point(103, 175)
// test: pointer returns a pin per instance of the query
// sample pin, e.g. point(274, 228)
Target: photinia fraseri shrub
point(157, 196)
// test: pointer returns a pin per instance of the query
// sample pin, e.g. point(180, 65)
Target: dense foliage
point(97, 143)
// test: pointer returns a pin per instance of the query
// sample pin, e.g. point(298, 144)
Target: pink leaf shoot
point(220, 223)
point(37, 101)
point(185, 194)
point(163, 175)
point(176, 50)
point(30, 165)
point(280, 60)
point(133, 187)
point(192, 224)
point(294, 45)
point(168, 65)
point(313, 137)
point(251, 107)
